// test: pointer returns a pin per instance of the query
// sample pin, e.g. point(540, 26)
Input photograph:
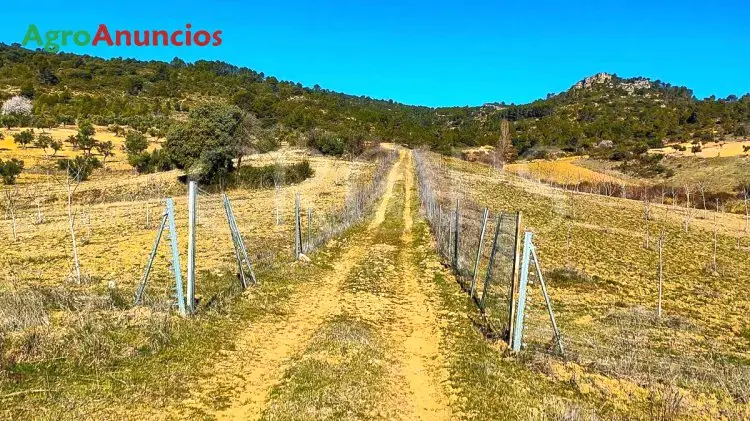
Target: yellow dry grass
point(562, 171)
point(114, 243)
point(38, 162)
point(708, 149)
point(603, 283)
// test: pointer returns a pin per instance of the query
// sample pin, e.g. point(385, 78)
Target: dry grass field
point(563, 171)
point(47, 319)
point(373, 326)
point(39, 162)
point(709, 149)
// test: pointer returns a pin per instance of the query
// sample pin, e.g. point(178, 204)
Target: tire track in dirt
point(240, 382)
point(422, 365)
point(403, 309)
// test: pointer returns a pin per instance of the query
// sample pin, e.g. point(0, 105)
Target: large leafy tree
point(85, 137)
point(208, 142)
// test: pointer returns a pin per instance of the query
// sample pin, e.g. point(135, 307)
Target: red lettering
point(164, 36)
point(217, 38)
point(144, 41)
point(102, 34)
point(202, 42)
point(188, 35)
point(174, 38)
point(119, 35)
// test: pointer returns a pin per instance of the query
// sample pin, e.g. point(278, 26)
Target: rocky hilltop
point(610, 80)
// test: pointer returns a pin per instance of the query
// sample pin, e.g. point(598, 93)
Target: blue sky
point(435, 53)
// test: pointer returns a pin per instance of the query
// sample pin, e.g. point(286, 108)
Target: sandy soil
point(244, 377)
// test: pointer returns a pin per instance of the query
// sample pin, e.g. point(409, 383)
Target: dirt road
point(375, 285)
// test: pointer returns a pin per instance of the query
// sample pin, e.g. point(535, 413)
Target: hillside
point(631, 113)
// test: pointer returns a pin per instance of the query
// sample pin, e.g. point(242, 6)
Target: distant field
point(722, 174)
point(713, 174)
point(37, 161)
point(717, 174)
point(563, 171)
point(603, 283)
point(708, 149)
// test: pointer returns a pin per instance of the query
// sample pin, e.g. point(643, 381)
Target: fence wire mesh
point(623, 342)
point(116, 226)
point(484, 263)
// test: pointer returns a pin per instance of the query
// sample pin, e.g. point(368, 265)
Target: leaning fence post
point(238, 257)
point(309, 229)
point(493, 251)
point(547, 300)
point(456, 240)
point(518, 330)
point(514, 277)
point(485, 214)
point(192, 199)
point(241, 243)
point(142, 286)
point(175, 257)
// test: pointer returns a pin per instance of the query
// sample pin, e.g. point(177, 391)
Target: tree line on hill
point(156, 98)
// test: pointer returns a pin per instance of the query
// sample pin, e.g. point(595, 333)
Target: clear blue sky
point(438, 52)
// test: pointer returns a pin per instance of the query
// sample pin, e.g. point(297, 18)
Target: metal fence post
point(449, 240)
point(299, 223)
point(175, 257)
point(439, 229)
point(514, 277)
point(241, 243)
point(518, 330)
point(457, 238)
point(493, 252)
point(142, 286)
point(485, 214)
point(192, 202)
point(238, 257)
point(297, 229)
point(309, 229)
point(547, 300)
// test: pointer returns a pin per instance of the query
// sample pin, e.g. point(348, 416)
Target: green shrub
point(10, 169)
point(267, 144)
point(24, 138)
point(260, 177)
point(135, 142)
point(79, 168)
point(149, 162)
point(336, 144)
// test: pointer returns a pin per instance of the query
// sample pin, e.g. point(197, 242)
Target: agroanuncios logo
point(54, 39)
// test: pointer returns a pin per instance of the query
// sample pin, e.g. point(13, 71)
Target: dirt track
point(242, 383)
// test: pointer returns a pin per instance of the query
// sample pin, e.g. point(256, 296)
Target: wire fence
point(479, 245)
point(319, 229)
point(629, 343)
point(115, 236)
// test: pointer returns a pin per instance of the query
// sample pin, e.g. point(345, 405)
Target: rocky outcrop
point(589, 82)
point(630, 85)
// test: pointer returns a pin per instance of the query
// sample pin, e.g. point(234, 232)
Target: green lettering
point(51, 45)
point(65, 35)
point(82, 38)
point(32, 34)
